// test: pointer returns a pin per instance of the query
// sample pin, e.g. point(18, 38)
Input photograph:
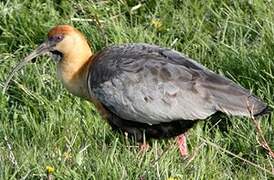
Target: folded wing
point(149, 84)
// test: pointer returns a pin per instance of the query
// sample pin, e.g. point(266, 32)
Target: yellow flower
point(156, 23)
point(50, 169)
point(67, 156)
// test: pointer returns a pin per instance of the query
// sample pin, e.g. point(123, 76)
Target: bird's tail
point(241, 105)
point(234, 100)
point(230, 98)
point(265, 111)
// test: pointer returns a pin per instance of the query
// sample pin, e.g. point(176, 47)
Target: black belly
point(162, 130)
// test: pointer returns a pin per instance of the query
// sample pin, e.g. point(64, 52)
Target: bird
point(143, 90)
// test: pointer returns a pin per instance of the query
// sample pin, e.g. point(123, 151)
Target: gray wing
point(149, 84)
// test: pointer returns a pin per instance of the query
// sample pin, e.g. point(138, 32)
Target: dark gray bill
point(42, 49)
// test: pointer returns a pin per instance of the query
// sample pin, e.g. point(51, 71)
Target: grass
point(41, 124)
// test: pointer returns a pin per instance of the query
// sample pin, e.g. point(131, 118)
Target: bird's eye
point(59, 37)
point(56, 38)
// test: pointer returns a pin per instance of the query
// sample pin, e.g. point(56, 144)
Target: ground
point(44, 128)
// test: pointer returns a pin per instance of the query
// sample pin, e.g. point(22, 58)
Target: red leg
point(181, 141)
point(144, 146)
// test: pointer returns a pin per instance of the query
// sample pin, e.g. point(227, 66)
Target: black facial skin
point(56, 55)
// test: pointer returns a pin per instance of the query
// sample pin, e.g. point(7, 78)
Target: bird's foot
point(144, 147)
point(181, 141)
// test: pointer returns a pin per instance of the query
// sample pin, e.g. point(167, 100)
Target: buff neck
point(73, 70)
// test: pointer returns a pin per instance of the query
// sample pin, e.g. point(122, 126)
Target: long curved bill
point(42, 49)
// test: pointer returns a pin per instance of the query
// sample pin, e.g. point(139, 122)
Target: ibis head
point(68, 44)
point(70, 49)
